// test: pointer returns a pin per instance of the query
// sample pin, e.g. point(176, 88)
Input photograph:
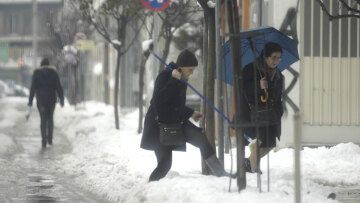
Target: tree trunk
point(210, 89)
point(210, 92)
point(116, 97)
point(204, 168)
point(141, 89)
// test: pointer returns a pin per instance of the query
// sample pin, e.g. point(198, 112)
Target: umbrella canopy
point(258, 38)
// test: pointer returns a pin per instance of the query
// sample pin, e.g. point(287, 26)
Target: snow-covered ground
point(110, 162)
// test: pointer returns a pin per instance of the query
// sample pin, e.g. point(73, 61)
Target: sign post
point(156, 5)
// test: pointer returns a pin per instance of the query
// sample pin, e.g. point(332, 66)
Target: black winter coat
point(168, 102)
point(275, 88)
point(46, 83)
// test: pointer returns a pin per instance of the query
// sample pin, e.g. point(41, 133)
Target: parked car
point(11, 89)
point(3, 89)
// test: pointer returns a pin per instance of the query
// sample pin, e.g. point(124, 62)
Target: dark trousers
point(163, 154)
point(46, 110)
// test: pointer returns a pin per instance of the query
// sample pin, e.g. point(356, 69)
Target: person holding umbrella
point(45, 84)
point(266, 91)
point(168, 107)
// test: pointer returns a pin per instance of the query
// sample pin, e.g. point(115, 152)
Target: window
point(12, 23)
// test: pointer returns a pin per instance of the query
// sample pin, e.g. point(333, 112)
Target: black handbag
point(264, 114)
point(171, 134)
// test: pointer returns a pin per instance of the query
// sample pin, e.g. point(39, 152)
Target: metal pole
point(219, 81)
point(34, 32)
point(297, 167)
point(155, 43)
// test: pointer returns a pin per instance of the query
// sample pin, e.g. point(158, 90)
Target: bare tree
point(352, 7)
point(122, 15)
point(61, 27)
point(173, 18)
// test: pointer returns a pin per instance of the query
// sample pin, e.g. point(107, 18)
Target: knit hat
point(186, 59)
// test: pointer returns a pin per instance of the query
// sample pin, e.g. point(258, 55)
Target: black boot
point(216, 167)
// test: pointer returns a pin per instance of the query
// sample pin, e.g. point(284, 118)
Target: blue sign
point(156, 5)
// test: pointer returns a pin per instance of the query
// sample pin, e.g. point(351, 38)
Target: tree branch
point(133, 40)
point(333, 17)
point(348, 7)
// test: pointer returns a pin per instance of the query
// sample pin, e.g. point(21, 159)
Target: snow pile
point(146, 44)
point(111, 163)
point(10, 114)
point(332, 166)
point(211, 4)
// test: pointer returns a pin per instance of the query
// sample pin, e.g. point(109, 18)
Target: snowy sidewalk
point(26, 174)
point(111, 164)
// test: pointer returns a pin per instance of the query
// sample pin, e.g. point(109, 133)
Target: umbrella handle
point(263, 100)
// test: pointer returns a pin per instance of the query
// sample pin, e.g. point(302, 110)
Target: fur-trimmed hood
point(47, 66)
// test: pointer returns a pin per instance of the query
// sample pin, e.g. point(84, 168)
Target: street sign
point(79, 36)
point(85, 45)
point(156, 5)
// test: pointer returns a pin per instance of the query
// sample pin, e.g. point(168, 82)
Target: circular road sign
point(156, 5)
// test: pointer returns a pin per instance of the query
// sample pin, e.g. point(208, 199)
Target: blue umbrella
point(259, 37)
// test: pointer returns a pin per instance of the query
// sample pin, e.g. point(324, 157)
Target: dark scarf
point(272, 74)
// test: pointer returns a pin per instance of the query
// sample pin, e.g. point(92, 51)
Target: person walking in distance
point(45, 84)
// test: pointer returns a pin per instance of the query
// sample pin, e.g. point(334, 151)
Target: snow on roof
point(115, 41)
point(211, 4)
point(146, 44)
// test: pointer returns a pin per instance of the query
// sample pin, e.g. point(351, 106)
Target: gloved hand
point(30, 104)
point(176, 74)
point(173, 65)
point(61, 103)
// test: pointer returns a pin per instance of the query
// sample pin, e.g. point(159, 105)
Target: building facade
point(16, 37)
point(327, 93)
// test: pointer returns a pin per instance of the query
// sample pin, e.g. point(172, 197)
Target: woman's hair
point(270, 48)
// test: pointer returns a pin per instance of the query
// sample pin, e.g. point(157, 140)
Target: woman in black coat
point(168, 106)
point(269, 79)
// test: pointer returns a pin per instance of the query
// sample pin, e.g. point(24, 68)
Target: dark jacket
point(168, 102)
point(275, 88)
point(45, 83)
